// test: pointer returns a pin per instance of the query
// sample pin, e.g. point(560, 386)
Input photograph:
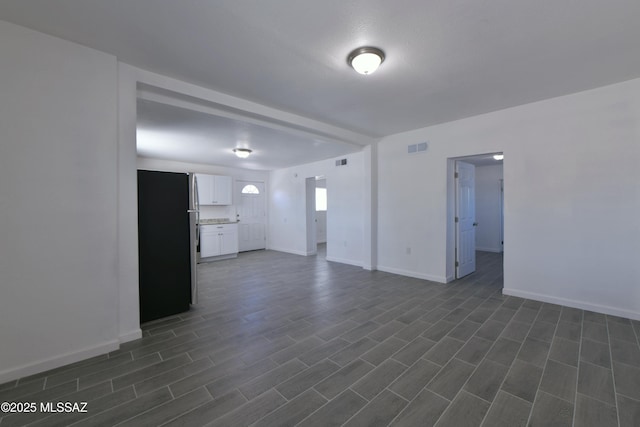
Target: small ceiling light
point(243, 153)
point(365, 60)
point(498, 156)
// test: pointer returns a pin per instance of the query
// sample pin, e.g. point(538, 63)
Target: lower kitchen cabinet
point(218, 240)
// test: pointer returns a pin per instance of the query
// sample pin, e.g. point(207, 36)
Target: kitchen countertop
point(214, 221)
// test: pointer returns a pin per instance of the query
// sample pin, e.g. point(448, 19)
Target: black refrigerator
point(167, 243)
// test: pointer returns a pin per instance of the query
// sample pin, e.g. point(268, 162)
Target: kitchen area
point(218, 218)
point(230, 159)
point(200, 222)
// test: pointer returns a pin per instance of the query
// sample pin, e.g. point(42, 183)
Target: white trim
point(483, 249)
point(450, 279)
point(289, 251)
point(345, 261)
point(56, 362)
point(127, 253)
point(414, 274)
point(130, 336)
point(583, 305)
point(217, 258)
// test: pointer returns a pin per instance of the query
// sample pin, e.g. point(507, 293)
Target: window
point(321, 199)
point(250, 189)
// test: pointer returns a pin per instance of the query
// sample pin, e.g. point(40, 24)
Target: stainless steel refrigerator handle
point(196, 201)
point(194, 208)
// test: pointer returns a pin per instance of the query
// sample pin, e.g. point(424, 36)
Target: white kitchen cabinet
point(222, 190)
point(229, 240)
point(218, 240)
point(204, 188)
point(214, 189)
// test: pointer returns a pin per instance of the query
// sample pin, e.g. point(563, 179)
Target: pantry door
point(251, 215)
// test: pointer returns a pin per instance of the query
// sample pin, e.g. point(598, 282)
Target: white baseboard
point(583, 305)
point(289, 251)
point(57, 361)
point(130, 336)
point(345, 261)
point(483, 249)
point(217, 258)
point(413, 274)
point(450, 279)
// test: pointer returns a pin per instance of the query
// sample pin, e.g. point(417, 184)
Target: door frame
point(310, 216)
point(502, 211)
point(450, 247)
point(235, 192)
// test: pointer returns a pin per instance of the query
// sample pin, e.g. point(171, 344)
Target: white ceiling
point(174, 133)
point(446, 59)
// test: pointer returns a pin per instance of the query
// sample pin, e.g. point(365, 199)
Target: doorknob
point(475, 224)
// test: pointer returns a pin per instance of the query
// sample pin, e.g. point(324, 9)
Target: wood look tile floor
point(283, 340)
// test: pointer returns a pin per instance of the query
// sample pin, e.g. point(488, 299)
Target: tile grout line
point(575, 398)
point(442, 366)
point(465, 295)
point(512, 363)
point(613, 376)
point(546, 362)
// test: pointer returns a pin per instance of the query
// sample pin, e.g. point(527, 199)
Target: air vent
point(341, 162)
point(417, 148)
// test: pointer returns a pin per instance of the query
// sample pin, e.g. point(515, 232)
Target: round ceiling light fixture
point(243, 153)
point(366, 60)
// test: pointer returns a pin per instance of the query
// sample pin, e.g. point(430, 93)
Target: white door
point(465, 219)
point(252, 215)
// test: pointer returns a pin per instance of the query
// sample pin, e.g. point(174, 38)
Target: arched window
point(250, 189)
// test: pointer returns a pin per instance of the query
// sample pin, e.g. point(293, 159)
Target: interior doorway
point(465, 219)
point(316, 215)
point(321, 216)
point(476, 211)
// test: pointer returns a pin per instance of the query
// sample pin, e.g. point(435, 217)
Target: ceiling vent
point(341, 162)
point(417, 148)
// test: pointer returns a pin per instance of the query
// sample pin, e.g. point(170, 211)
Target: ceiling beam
point(166, 90)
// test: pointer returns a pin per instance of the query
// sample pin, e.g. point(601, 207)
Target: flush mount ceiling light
point(365, 60)
point(243, 153)
point(498, 156)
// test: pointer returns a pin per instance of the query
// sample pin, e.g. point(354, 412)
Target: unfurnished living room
point(362, 213)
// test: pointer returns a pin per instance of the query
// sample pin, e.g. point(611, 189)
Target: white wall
point(58, 202)
point(236, 173)
point(287, 212)
point(321, 226)
point(173, 166)
point(128, 290)
point(572, 235)
point(488, 208)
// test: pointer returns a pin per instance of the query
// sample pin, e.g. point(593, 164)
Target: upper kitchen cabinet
point(214, 189)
